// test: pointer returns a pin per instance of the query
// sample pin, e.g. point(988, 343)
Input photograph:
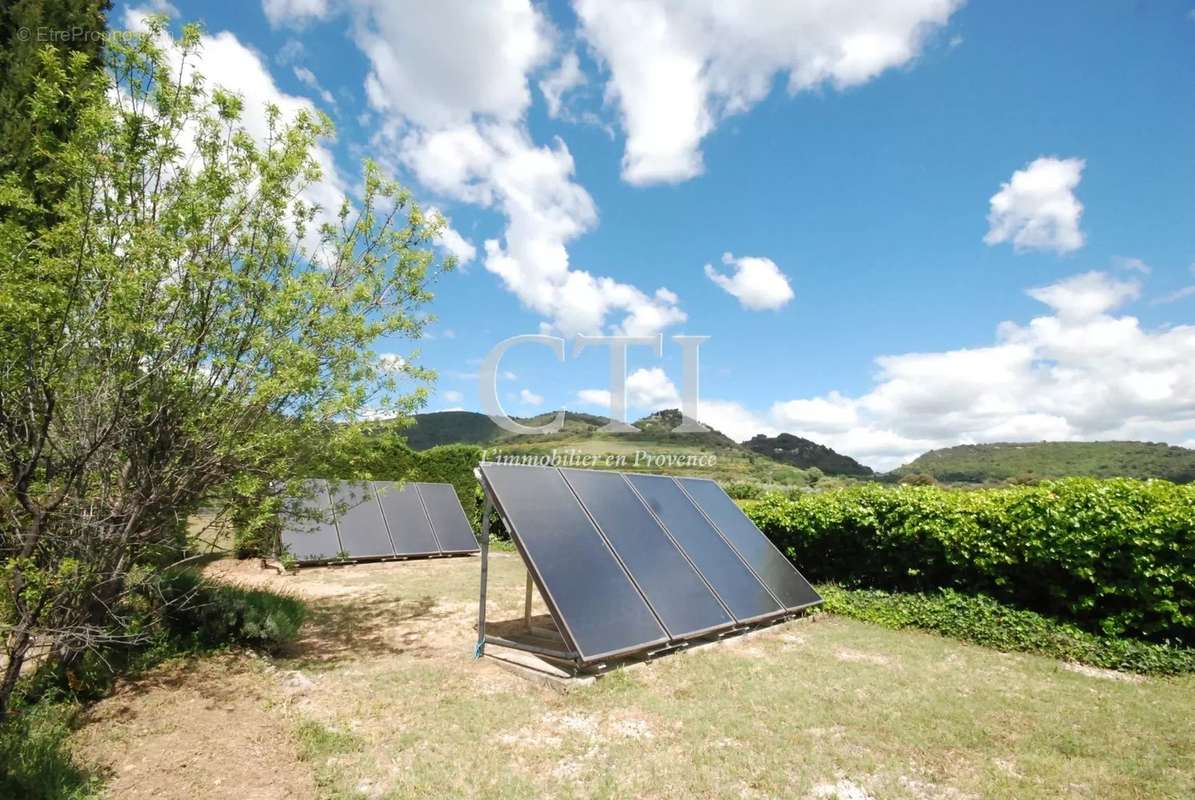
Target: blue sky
point(892, 180)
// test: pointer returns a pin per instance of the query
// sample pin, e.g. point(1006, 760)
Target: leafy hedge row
point(983, 621)
point(1115, 556)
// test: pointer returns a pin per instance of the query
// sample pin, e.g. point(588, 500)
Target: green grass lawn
point(831, 707)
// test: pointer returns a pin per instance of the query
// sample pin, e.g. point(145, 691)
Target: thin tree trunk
point(20, 639)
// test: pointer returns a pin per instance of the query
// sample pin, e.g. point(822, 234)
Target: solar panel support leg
point(485, 570)
point(527, 603)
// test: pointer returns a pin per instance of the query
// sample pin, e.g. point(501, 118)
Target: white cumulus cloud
point(1037, 208)
point(678, 67)
point(497, 165)
point(439, 68)
point(648, 389)
point(530, 398)
point(1080, 371)
point(651, 388)
point(307, 77)
point(453, 88)
point(757, 282)
point(595, 397)
point(452, 241)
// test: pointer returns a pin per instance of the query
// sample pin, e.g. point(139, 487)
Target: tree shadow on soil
point(364, 627)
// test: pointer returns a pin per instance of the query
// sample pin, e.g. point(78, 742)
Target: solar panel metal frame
point(544, 592)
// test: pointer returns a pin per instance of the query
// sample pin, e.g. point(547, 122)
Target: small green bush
point(742, 490)
point(201, 615)
point(981, 620)
point(1116, 557)
point(35, 763)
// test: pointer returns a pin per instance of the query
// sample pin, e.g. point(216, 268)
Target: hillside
point(654, 449)
point(982, 463)
point(469, 427)
point(450, 427)
point(805, 454)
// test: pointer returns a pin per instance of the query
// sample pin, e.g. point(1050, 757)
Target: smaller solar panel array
point(375, 519)
point(628, 562)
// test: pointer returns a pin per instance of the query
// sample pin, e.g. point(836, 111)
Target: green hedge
point(1115, 556)
point(981, 620)
point(452, 463)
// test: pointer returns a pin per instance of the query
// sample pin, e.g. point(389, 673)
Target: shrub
point(199, 614)
point(170, 615)
point(1115, 556)
point(982, 620)
point(35, 762)
point(742, 490)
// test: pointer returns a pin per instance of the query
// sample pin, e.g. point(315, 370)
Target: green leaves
point(180, 323)
point(984, 621)
point(1115, 556)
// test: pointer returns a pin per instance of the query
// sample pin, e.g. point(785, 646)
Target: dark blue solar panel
point(409, 527)
point(359, 520)
point(449, 522)
point(774, 570)
point(676, 592)
point(734, 583)
point(308, 529)
point(591, 595)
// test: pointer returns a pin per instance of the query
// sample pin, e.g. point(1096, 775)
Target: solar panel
point(363, 532)
point(448, 519)
point(774, 570)
point(674, 589)
point(308, 530)
point(735, 585)
point(591, 596)
point(410, 529)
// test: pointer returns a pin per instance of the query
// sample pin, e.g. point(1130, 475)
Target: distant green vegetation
point(991, 463)
point(806, 454)
point(1116, 557)
point(450, 427)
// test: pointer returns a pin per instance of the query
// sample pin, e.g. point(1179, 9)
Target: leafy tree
point(189, 327)
point(28, 28)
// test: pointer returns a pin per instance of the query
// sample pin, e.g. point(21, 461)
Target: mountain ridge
point(1002, 461)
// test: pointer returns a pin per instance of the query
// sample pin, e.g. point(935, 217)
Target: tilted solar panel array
point(628, 562)
point(375, 519)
